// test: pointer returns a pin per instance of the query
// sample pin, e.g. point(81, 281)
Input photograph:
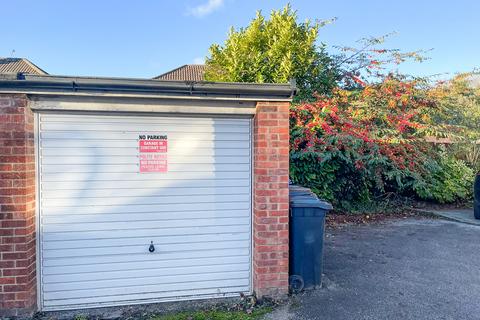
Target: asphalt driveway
point(408, 269)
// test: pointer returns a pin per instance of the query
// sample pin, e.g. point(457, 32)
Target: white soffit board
point(100, 208)
point(179, 106)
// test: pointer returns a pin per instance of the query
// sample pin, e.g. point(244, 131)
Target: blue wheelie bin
point(476, 197)
point(307, 229)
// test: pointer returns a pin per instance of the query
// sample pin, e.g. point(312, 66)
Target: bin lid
point(298, 190)
point(309, 202)
point(301, 194)
point(297, 187)
point(304, 197)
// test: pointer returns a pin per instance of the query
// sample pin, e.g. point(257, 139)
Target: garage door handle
point(152, 247)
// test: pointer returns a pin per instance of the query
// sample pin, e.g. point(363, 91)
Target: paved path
point(460, 215)
point(408, 269)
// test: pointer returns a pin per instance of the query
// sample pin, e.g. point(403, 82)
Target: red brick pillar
point(270, 203)
point(17, 207)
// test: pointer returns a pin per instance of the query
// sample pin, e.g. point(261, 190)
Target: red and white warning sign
point(153, 153)
point(152, 146)
point(153, 163)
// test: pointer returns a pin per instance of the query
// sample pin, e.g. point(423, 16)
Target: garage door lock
point(152, 247)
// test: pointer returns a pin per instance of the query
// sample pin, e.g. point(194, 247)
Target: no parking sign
point(153, 153)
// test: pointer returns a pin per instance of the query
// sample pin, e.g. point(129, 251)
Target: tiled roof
point(188, 72)
point(16, 65)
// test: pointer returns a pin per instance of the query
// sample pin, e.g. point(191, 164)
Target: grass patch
point(216, 315)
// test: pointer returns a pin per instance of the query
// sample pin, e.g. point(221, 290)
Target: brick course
point(270, 199)
point(17, 207)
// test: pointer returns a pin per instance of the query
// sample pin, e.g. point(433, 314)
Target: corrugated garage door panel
point(99, 214)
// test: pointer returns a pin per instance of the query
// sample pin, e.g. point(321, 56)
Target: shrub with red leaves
point(354, 147)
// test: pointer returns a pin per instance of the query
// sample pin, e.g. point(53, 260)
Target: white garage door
point(111, 186)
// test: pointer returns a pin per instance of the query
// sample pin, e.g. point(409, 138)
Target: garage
point(127, 191)
point(113, 231)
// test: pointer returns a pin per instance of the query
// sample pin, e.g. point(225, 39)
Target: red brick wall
point(270, 203)
point(17, 207)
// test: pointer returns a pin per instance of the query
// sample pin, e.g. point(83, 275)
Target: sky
point(145, 38)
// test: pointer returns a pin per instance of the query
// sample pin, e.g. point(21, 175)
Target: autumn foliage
point(359, 129)
point(354, 147)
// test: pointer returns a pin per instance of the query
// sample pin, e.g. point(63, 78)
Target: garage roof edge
point(67, 85)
